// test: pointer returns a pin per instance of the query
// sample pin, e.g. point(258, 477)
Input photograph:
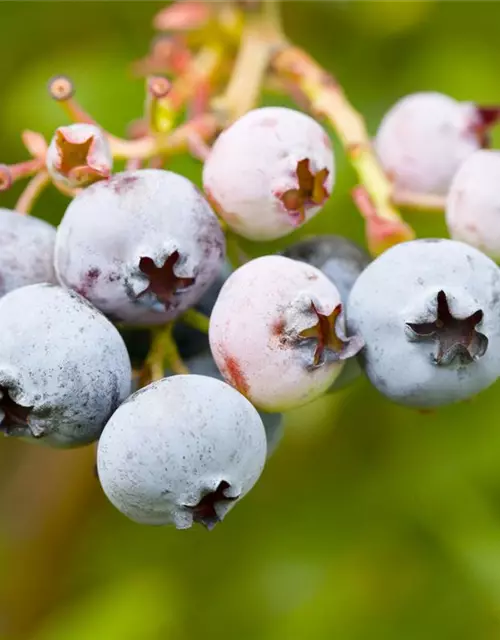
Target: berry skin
point(64, 368)
point(181, 450)
point(78, 155)
point(425, 137)
point(204, 365)
point(473, 203)
point(341, 260)
point(269, 172)
point(277, 333)
point(26, 251)
point(142, 246)
point(428, 311)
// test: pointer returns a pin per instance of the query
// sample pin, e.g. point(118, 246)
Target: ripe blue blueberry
point(203, 364)
point(429, 313)
point(341, 260)
point(26, 251)
point(64, 368)
point(184, 449)
point(142, 246)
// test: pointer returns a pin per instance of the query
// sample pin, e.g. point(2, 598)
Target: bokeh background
point(371, 521)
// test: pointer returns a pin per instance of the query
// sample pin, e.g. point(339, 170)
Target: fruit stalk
point(327, 100)
point(32, 192)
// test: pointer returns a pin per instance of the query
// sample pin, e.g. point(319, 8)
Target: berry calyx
point(327, 335)
point(163, 281)
point(13, 416)
point(205, 512)
point(456, 338)
point(79, 155)
point(311, 191)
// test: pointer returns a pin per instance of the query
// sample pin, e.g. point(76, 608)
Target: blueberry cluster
point(140, 249)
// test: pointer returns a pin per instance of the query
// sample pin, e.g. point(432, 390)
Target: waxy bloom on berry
point(142, 246)
point(270, 172)
point(473, 204)
point(428, 312)
point(182, 450)
point(424, 138)
point(277, 333)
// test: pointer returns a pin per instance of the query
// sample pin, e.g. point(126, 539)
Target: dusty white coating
point(204, 364)
point(341, 260)
point(173, 442)
point(473, 203)
point(255, 330)
point(424, 138)
point(62, 357)
point(401, 286)
point(26, 251)
point(99, 160)
point(254, 161)
point(112, 224)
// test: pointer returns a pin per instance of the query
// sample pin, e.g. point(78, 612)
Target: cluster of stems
point(207, 68)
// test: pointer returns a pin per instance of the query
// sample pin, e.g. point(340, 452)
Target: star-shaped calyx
point(13, 417)
point(455, 338)
point(331, 342)
point(204, 512)
point(163, 281)
point(76, 158)
point(311, 192)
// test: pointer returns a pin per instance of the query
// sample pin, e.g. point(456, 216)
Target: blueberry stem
point(419, 201)
point(162, 355)
point(196, 320)
point(32, 192)
point(326, 99)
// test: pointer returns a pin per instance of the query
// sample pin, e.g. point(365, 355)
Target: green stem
point(196, 320)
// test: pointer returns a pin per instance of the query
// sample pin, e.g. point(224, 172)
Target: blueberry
point(184, 449)
point(270, 172)
point(142, 246)
point(26, 251)
point(341, 260)
point(429, 312)
point(204, 365)
point(64, 368)
point(473, 203)
point(424, 138)
point(277, 333)
point(78, 155)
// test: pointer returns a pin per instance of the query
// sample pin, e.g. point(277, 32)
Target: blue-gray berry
point(184, 449)
point(26, 251)
point(204, 365)
point(429, 313)
point(64, 368)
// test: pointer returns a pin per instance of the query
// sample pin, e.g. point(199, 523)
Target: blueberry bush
point(241, 260)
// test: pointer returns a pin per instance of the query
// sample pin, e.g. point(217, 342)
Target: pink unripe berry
point(424, 138)
point(270, 172)
point(79, 155)
point(473, 204)
point(277, 332)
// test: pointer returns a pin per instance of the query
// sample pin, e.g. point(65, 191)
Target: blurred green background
point(371, 521)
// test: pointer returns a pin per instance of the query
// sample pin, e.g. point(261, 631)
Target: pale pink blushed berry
point(424, 138)
point(277, 332)
point(473, 203)
point(270, 172)
point(79, 155)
